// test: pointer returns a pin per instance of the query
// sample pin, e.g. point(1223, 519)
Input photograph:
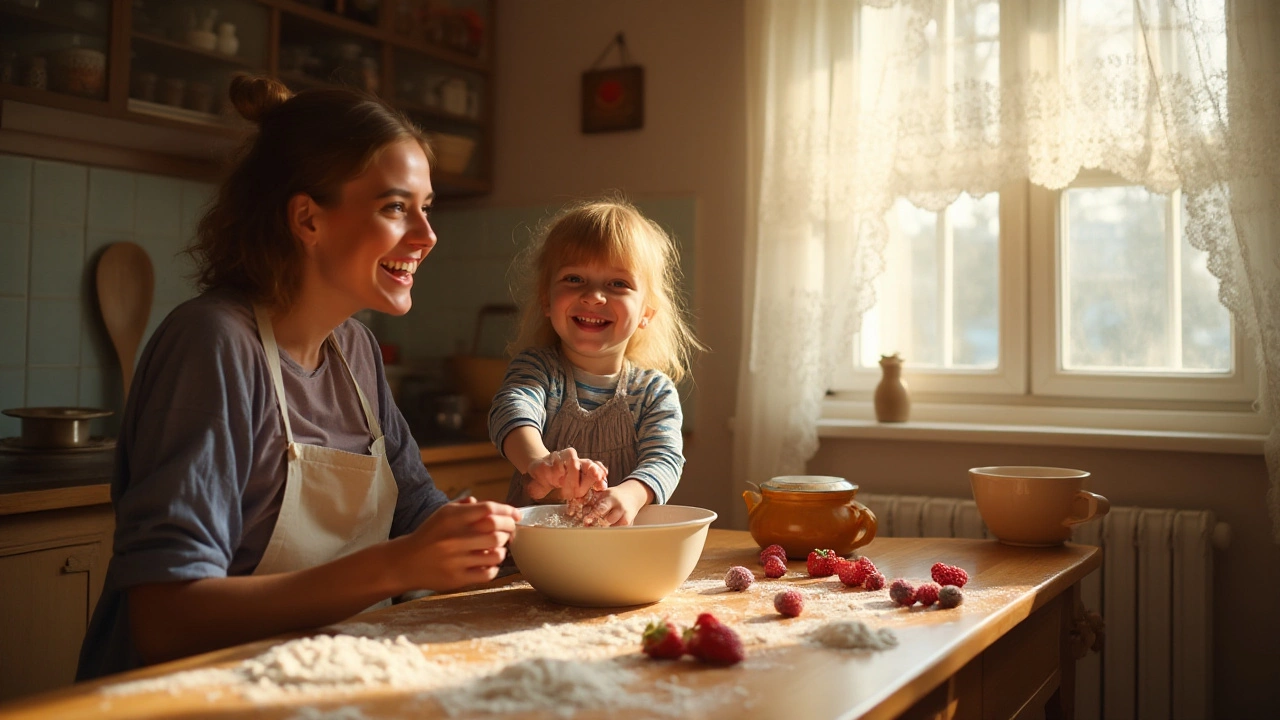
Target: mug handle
point(1095, 506)
point(866, 523)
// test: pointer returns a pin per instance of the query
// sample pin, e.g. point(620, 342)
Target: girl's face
point(368, 247)
point(595, 309)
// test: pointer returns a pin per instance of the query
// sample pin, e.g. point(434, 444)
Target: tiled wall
point(55, 220)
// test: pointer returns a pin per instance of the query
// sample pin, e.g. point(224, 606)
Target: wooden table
point(1006, 650)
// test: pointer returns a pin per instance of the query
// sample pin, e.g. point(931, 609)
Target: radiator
point(1154, 591)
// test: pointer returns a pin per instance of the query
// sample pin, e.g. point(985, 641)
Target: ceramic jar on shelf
point(892, 401)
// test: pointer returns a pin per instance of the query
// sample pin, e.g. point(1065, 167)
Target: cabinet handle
point(75, 564)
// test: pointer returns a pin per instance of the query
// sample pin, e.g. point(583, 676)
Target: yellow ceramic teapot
point(806, 512)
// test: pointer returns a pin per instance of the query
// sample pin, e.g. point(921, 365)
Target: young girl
point(588, 412)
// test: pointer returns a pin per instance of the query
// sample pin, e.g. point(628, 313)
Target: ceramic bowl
point(614, 566)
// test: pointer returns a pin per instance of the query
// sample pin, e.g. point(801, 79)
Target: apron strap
point(268, 336)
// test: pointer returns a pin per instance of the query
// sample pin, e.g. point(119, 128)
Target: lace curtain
point(854, 103)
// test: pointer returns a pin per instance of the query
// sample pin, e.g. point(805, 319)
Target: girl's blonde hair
point(614, 232)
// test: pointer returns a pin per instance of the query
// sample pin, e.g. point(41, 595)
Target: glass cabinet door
point(56, 46)
point(183, 54)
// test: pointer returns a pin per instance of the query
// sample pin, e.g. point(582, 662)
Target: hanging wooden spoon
point(125, 285)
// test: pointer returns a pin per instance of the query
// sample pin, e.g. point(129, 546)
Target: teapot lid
point(807, 483)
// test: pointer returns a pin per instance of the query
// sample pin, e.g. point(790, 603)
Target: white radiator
point(1154, 591)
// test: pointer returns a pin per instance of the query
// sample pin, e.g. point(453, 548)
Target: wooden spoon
point(125, 284)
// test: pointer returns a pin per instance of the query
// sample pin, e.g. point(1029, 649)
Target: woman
point(265, 481)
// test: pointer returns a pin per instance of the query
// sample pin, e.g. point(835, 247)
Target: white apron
point(335, 502)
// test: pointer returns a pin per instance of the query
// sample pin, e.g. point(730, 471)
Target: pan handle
point(498, 310)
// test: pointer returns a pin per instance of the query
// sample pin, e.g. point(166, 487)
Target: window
point(1090, 296)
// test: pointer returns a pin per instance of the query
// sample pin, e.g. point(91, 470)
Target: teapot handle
point(866, 525)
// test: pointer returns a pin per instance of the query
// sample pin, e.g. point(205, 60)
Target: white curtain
point(854, 103)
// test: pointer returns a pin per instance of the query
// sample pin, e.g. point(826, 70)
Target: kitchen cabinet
point(52, 567)
point(164, 66)
point(473, 467)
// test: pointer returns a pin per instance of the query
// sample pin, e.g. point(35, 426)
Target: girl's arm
point(461, 544)
point(550, 470)
point(659, 438)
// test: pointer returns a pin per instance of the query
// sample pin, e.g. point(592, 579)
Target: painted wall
point(55, 220)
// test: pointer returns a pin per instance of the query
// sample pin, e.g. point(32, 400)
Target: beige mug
point(1034, 506)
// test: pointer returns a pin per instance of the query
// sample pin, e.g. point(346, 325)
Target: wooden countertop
point(467, 450)
point(784, 675)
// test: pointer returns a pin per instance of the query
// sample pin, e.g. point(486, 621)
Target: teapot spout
point(752, 499)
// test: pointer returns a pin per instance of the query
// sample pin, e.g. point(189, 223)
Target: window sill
point(1231, 433)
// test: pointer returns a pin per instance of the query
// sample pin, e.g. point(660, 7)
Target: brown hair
point(311, 143)
point(612, 231)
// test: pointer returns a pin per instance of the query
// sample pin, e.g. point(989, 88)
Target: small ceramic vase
point(893, 402)
point(228, 43)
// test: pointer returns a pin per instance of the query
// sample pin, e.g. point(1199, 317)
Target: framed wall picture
point(613, 99)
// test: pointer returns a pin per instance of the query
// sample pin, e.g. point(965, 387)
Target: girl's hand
point(618, 505)
point(461, 544)
point(563, 470)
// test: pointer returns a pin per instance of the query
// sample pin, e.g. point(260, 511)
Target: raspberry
point(855, 573)
point(902, 592)
point(822, 563)
point(874, 581)
point(775, 550)
point(774, 567)
point(945, 574)
point(927, 593)
point(789, 603)
point(950, 596)
point(738, 578)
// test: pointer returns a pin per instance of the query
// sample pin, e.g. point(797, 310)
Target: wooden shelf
point(191, 50)
point(51, 19)
point(354, 27)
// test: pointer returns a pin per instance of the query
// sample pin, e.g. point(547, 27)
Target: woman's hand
point(618, 505)
point(563, 470)
point(462, 543)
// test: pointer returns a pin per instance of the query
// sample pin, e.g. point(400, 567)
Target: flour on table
point(853, 635)
point(347, 712)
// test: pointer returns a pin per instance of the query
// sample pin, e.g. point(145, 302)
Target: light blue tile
point(158, 208)
point(13, 389)
point(195, 200)
point(15, 241)
point(53, 332)
point(59, 193)
point(15, 189)
point(172, 268)
point(111, 195)
point(13, 331)
point(96, 349)
point(52, 386)
point(100, 388)
point(95, 241)
point(57, 260)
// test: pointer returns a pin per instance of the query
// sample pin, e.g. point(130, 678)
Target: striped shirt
point(534, 391)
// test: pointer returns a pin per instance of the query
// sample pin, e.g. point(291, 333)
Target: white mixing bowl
point(612, 566)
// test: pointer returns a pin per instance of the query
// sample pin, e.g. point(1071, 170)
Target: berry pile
point(822, 563)
point(774, 567)
point(708, 640)
point(944, 591)
point(773, 551)
point(854, 573)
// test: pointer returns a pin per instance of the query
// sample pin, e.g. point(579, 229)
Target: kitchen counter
point(30, 482)
point(1007, 651)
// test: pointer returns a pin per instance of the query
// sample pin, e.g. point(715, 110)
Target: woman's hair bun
point(255, 95)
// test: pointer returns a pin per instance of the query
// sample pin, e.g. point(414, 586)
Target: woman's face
point(369, 245)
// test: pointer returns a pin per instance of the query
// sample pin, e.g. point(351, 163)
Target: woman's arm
point(461, 544)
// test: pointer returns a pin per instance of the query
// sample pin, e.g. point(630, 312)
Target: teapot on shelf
point(807, 512)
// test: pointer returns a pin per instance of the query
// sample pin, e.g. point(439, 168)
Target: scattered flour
point(347, 712)
point(853, 635)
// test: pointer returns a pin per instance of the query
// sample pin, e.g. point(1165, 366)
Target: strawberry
point(927, 593)
point(822, 563)
point(774, 567)
point(775, 550)
point(738, 578)
point(854, 574)
point(903, 592)
point(662, 640)
point(711, 641)
point(874, 581)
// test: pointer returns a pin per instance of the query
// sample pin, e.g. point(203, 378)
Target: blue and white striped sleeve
point(659, 443)
point(523, 397)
